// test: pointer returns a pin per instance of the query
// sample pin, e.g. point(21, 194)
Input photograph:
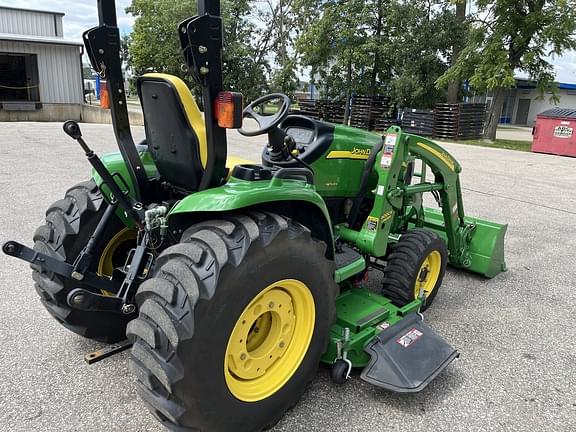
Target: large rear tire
point(69, 224)
point(232, 326)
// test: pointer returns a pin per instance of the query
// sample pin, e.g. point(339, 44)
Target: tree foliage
point(378, 46)
point(154, 43)
point(511, 36)
point(412, 50)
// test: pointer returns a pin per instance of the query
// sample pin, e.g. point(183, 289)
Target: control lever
point(134, 210)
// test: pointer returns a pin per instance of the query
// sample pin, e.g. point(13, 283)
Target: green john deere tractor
point(234, 280)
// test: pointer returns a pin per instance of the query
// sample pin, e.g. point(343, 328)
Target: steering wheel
point(266, 123)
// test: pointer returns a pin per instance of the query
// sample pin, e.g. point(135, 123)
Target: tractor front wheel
point(69, 224)
point(233, 323)
point(416, 264)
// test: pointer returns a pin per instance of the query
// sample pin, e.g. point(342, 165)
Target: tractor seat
point(175, 130)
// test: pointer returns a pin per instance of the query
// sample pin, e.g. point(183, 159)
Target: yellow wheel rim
point(106, 262)
point(269, 341)
point(428, 274)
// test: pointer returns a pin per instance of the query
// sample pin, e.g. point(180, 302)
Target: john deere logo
point(356, 153)
point(361, 151)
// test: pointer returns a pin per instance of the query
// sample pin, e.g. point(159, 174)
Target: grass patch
point(524, 146)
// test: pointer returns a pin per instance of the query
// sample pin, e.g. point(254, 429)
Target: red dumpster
point(554, 132)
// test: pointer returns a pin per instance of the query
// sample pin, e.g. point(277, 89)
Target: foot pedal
point(407, 356)
point(106, 352)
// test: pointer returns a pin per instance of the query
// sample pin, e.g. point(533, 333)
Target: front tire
point(417, 262)
point(211, 351)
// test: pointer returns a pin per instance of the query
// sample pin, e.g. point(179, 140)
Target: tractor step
point(346, 257)
point(348, 263)
point(407, 356)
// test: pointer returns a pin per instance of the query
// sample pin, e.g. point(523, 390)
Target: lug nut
point(270, 305)
point(282, 344)
point(128, 309)
point(242, 356)
point(78, 299)
point(202, 49)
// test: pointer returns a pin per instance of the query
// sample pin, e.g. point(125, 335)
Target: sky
point(82, 14)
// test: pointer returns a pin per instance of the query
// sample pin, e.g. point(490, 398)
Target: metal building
point(40, 71)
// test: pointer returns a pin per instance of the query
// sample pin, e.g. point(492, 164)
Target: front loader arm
point(473, 244)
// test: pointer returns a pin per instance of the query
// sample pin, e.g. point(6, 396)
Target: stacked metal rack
point(310, 108)
point(360, 111)
point(383, 123)
point(380, 118)
point(370, 112)
point(366, 112)
point(418, 121)
point(459, 121)
point(333, 111)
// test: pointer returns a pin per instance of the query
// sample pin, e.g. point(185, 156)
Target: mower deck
point(398, 352)
point(406, 357)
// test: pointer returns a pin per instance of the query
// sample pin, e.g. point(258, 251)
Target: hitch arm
point(133, 208)
point(48, 263)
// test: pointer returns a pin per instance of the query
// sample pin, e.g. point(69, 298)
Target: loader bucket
point(486, 245)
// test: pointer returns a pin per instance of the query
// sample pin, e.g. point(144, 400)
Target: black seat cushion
point(171, 140)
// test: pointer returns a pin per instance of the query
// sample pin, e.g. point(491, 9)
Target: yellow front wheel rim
point(428, 274)
point(269, 340)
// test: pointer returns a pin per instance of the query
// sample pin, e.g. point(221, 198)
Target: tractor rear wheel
point(69, 224)
point(233, 323)
point(417, 262)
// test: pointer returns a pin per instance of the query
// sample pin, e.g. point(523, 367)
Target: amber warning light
point(228, 110)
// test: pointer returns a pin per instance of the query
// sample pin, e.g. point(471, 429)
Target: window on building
point(19, 78)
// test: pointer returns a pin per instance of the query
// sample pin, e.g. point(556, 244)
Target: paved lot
point(515, 333)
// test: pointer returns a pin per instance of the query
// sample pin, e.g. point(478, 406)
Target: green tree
point(87, 72)
point(420, 40)
point(243, 67)
point(154, 43)
point(378, 46)
point(509, 36)
point(335, 43)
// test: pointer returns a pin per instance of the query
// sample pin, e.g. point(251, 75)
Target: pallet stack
point(382, 124)
point(310, 108)
point(380, 113)
point(360, 112)
point(459, 121)
point(418, 121)
point(333, 111)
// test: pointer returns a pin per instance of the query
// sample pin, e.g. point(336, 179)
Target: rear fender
point(115, 164)
point(291, 198)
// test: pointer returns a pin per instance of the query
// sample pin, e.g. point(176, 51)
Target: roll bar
point(201, 38)
point(103, 49)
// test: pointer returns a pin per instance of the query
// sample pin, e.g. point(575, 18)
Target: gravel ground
point(517, 369)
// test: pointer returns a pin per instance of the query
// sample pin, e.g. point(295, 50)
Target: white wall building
point(40, 71)
point(523, 104)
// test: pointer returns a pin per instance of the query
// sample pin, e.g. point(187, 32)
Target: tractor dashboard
point(312, 137)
